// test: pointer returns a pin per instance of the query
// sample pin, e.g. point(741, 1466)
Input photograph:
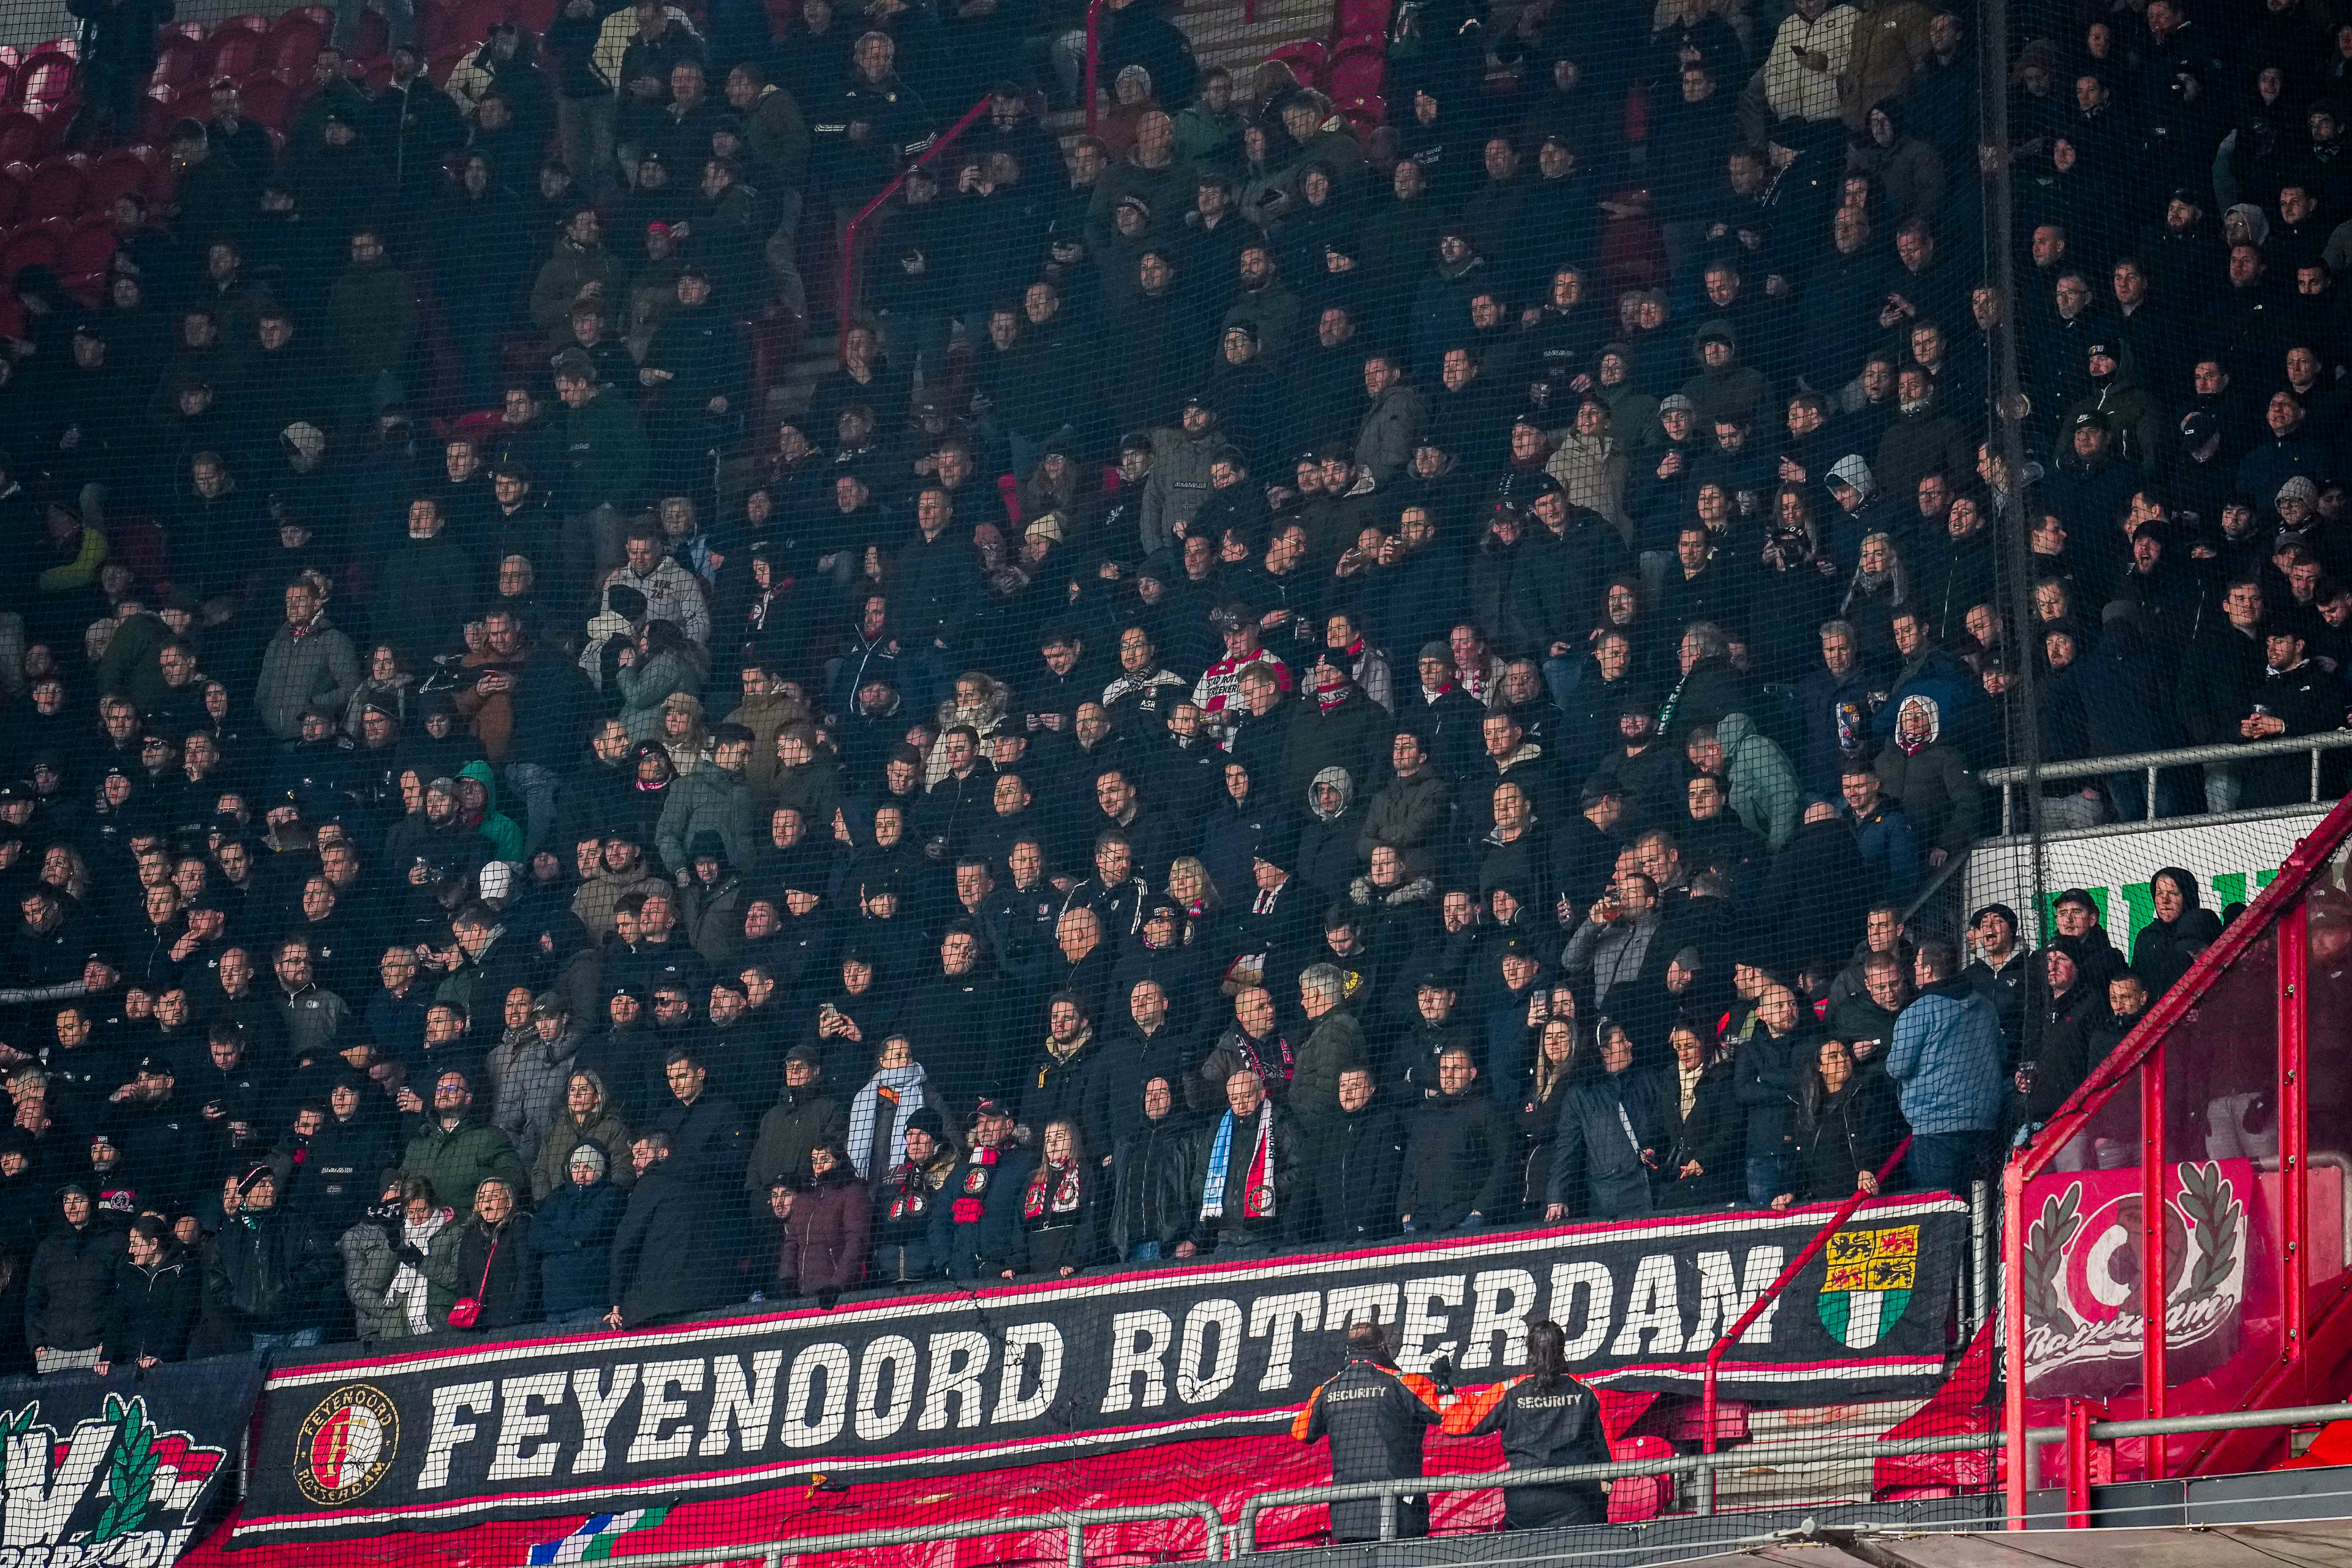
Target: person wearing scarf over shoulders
point(1061, 1208)
point(979, 1232)
point(1249, 1160)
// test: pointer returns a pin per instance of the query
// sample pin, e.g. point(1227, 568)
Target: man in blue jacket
point(1946, 1060)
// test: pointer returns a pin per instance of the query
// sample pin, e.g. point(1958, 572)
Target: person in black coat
point(1062, 1205)
point(2170, 943)
point(1702, 1166)
point(493, 1266)
point(1151, 1210)
point(1458, 1150)
point(572, 1236)
point(1376, 1417)
point(1764, 1083)
point(1613, 1128)
point(665, 1261)
point(978, 1233)
point(1847, 1126)
point(156, 1295)
point(1548, 1419)
point(68, 1302)
point(268, 1273)
point(1358, 1159)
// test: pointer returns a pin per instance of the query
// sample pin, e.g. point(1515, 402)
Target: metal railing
point(1072, 1522)
point(1771, 1293)
point(2152, 762)
point(1704, 1465)
point(852, 231)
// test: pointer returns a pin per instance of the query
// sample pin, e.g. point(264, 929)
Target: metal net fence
point(782, 771)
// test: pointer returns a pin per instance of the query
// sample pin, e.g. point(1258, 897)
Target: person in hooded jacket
point(151, 1309)
point(2182, 928)
point(68, 1299)
point(572, 1235)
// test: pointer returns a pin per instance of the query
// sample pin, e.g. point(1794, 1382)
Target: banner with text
point(438, 1439)
point(121, 1469)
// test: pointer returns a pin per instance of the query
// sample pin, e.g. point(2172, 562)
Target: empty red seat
point(1350, 17)
point(192, 30)
point(33, 245)
point(1305, 59)
point(1364, 113)
point(291, 47)
point(232, 49)
point(437, 26)
point(378, 76)
point(89, 247)
point(114, 173)
point(175, 60)
point(44, 82)
point(23, 137)
point(54, 190)
point(69, 46)
point(138, 542)
point(1357, 73)
point(269, 99)
point(537, 14)
point(372, 37)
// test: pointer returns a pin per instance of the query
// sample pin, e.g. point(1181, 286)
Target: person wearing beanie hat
point(572, 1232)
point(809, 1114)
point(66, 1301)
point(268, 1272)
point(912, 1204)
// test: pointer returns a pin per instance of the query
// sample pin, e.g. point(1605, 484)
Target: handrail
point(1073, 1521)
point(2151, 762)
point(1705, 1465)
point(1771, 1293)
point(1094, 60)
point(850, 231)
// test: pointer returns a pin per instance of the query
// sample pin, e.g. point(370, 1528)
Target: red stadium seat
point(192, 30)
point(12, 195)
point(481, 424)
point(378, 76)
point(1352, 17)
point(269, 99)
point(1305, 59)
point(138, 542)
point(1634, 1498)
point(175, 60)
point(372, 37)
point(69, 46)
point(23, 137)
point(44, 81)
point(322, 14)
point(55, 190)
point(114, 173)
point(35, 245)
point(89, 247)
point(538, 15)
point(477, 18)
point(1357, 72)
point(436, 27)
point(155, 119)
point(233, 50)
point(290, 47)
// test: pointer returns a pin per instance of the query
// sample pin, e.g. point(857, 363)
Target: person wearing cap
point(976, 1234)
point(2003, 968)
point(69, 1297)
point(268, 1273)
point(807, 1116)
point(2297, 697)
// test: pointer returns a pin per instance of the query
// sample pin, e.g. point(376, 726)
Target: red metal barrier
point(1094, 61)
point(2139, 1059)
point(1771, 1293)
point(850, 233)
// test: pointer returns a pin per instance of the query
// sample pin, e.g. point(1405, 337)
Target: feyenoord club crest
point(346, 1445)
point(1871, 1273)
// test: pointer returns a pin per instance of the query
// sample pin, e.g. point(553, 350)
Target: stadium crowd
point(1486, 628)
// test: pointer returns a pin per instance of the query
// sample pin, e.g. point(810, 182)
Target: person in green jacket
point(371, 312)
point(452, 1150)
point(500, 833)
point(716, 798)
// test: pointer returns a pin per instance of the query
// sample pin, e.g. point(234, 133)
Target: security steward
point(1376, 1417)
point(1546, 1418)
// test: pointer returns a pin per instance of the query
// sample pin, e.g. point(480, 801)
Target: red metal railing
point(1094, 61)
point(1771, 1293)
point(2141, 1055)
point(853, 231)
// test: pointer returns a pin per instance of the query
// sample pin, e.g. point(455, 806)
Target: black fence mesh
point(894, 617)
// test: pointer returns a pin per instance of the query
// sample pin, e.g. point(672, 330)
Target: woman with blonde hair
point(684, 734)
point(979, 702)
point(1195, 893)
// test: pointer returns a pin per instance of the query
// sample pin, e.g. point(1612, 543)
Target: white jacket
point(1791, 88)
